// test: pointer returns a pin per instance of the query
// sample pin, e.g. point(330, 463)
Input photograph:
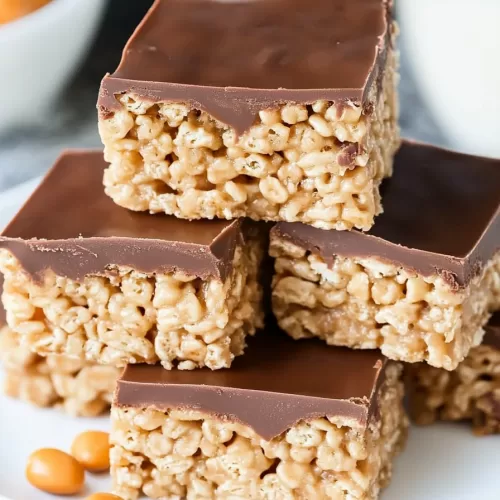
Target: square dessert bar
point(86, 278)
point(421, 285)
point(80, 388)
point(274, 110)
point(471, 392)
point(288, 420)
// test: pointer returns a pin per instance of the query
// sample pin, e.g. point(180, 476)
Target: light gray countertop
point(25, 154)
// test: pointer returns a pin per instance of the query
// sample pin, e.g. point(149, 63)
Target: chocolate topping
point(217, 55)
point(70, 226)
point(441, 216)
point(492, 331)
point(276, 383)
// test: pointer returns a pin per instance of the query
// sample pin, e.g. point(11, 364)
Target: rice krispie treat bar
point(277, 110)
point(288, 420)
point(79, 388)
point(86, 278)
point(471, 392)
point(421, 285)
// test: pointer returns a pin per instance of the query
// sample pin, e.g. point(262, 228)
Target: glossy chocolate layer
point(234, 58)
point(276, 383)
point(70, 226)
point(441, 216)
point(492, 331)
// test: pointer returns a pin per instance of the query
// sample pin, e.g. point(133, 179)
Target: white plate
point(441, 462)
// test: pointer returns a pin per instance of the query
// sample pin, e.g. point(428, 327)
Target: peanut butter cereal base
point(471, 392)
point(79, 388)
point(364, 303)
point(321, 164)
point(185, 454)
point(132, 317)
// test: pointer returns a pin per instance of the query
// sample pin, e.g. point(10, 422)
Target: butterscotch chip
point(91, 449)
point(421, 284)
point(290, 113)
point(470, 393)
point(54, 471)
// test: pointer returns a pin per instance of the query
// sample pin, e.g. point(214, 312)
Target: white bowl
point(454, 51)
point(38, 55)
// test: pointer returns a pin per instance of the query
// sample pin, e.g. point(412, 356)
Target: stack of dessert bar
point(221, 118)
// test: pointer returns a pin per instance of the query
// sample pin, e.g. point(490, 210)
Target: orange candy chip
point(54, 471)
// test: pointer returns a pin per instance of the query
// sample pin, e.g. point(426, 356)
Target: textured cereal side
point(131, 317)
point(185, 454)
point(79, 388)
point(369, 304)
point(321, 164)
point(471, 392)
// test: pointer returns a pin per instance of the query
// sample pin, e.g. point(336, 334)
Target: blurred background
point(52, 61)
